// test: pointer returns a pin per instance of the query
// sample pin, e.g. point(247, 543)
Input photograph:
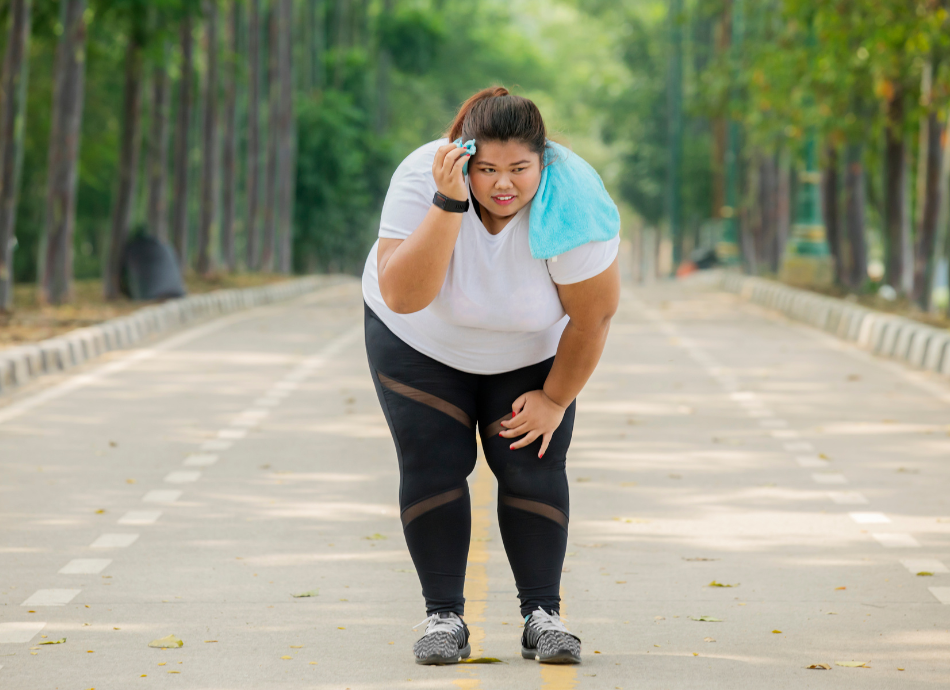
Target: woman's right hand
point(447, 171)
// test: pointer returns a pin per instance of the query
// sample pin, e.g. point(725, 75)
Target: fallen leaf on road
point(708, 639)
point(169, 642)
point(286, 657)
point(832, 613)
point(130, 481)
point(924, 573)
point(779, 632)
point(695, 653)
point(340, 627)
point(719, 584)
point(907, 470)
point(706, 619)
point(899, 668)
point(659, 618)
point(837, 588)
point(311, 593)
point(162, 663)
point(376, 537)
point(174, 671)
point(820, 667)
point(852, 664)
point(100, 511)
point(628, 483)
point(621, 582)
point(210, 641)
point(296, 646)
point(61, 641)
point(583, 479)
point(482, 660)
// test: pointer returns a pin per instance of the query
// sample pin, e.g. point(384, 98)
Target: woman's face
point(504, 176)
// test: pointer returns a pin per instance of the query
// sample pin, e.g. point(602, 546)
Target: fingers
point(514, 427)
point(440, 156)
point(519, 404)
point(450, 159)
point(527, 440)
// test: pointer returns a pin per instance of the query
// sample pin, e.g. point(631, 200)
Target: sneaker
point(445, 641)
point(545, 639)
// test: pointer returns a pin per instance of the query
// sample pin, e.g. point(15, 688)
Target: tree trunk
point(831, 211)
point(341, 39)
point(318, 14)
point(128, 164)
point(253, 133)
point(783, 209)
point(767, 175)
point(229, 160)
point(854, 209)
point(927, 229)
point(895, 191)
point(12, 118)
point(270, 172)
point(158, 155)
point(285, 155)
point(209, 152)
point(180, 201)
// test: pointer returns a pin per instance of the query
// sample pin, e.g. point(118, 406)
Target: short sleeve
point(410, 194)
point(584, 262)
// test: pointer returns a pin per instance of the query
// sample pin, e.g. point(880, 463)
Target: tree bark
point(229, 156)
point(158, 156)
point(209, 152)
point(253, 133)
point(895, 191)
point(927, 229)
point(831, 211)
point(286, 143)
point(12, 118)
point(854, 219)
point(128, 164)
point(783, 209)
point(180, 200)
point(270, 172)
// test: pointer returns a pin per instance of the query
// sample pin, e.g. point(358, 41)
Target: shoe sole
point(559, 658)
point(436, 660)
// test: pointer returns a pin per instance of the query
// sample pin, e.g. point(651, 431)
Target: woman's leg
point(431, 412)
point(533, 503)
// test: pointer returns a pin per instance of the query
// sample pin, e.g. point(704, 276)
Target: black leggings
point(432, 410)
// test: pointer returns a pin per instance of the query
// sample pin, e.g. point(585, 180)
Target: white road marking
point(232, 433)
point(140, 517)
point(51, 597)
point(942, 594)
point(216, 444)
point(113, 541)
point(811, 461)
point(896, 540)
point(847, 497)
point(162, 496)
point(799, 447)
point(772, 423)
point(85, 566)
point(869, 518)
point(829, 478)
point(924, 565)
point(200, 460)
point(17, 632)
point(182, 476)
point(785, 433)
point(742, 395)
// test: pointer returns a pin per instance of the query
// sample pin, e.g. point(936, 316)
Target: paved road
point(193, 486)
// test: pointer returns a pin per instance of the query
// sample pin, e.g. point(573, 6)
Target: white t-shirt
point(498, 309)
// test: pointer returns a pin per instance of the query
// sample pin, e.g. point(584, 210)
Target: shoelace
point(547, 622)
point(437, 624)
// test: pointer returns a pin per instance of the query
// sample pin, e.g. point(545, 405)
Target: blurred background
point(800, 139)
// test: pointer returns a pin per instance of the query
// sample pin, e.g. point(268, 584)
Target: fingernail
point(513, 414)
point(540, 455)
point(501, 433)
point(511, 447)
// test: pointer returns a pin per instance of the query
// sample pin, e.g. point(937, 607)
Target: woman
point(463, 329)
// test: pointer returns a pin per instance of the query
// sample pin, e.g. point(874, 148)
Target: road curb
point(914, 343)
point(23, 363)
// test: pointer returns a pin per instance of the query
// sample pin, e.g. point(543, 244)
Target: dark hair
point(493, 114)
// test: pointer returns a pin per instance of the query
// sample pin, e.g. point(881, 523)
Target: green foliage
point(413, 38)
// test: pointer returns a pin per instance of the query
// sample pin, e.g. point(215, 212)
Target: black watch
point(450, 205)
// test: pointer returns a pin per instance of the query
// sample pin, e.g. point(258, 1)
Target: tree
point(253, 133)
point(285, 134)
point(158, 153)
point(209, 156)
point(273, 117)
point(180, 171)
point(229, 155)
point(12, 114)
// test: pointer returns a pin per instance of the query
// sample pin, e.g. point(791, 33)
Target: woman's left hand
point(535, 414)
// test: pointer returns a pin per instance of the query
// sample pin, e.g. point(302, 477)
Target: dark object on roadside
point(700, 259)
point(150, 270)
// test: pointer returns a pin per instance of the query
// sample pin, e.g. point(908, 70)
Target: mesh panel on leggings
point(543, 509)
point(417, 509)
point(453, 411)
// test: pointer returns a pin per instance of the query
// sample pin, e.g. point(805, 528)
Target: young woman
point(465, 329)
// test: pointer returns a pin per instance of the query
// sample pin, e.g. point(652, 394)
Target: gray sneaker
point(545, 639)
point(445, 640)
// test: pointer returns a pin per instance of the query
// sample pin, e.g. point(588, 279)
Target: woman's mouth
point(503, 199)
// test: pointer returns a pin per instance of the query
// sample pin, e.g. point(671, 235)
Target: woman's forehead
point(503, 152)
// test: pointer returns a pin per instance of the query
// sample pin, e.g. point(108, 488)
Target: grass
point(31, 322)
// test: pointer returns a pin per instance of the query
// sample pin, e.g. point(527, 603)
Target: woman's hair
point(493, 114)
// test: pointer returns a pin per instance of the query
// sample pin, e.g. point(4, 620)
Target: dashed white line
point(216, 444)
point(847, 497)
point(182, 476)
point(924, 565)
point(811, 461)
point(829, 478)
point(740, 396)
point(870, 518)
point(942, 594)
point(51, 597)
point(162, 496)
point(140, 517)
point(85, 566)
point(113, 541)
point(200, 460)
point(896, 540)
point(17, 632)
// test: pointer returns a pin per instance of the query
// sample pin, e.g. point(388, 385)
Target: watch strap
point(450, 205)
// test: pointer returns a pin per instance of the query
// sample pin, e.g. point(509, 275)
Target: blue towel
point(572, 206)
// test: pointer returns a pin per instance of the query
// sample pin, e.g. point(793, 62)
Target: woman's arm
point(412, 271)
point(590, 304)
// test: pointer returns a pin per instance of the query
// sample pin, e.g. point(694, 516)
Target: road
point(193, 486)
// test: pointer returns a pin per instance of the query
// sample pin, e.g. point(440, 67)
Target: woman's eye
point(518, 169)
